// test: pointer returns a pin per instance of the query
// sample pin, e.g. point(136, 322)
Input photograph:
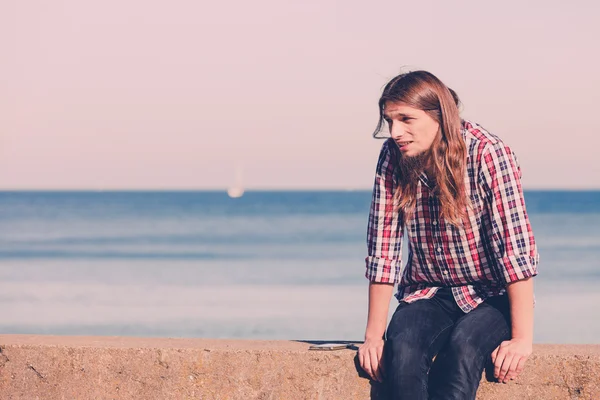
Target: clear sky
point(147, 94)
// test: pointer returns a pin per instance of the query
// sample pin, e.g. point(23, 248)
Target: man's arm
point(371, 351)
point(520, 297)
point(509, 230)
point(384, 243)
point(509, 358)
point(515, 249)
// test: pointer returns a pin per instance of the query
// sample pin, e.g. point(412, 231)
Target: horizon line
point(257, 189)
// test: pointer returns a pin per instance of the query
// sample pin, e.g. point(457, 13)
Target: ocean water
point(269, 265)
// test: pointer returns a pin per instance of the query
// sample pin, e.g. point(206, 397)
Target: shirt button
point(446, 273)
point(439, 249)
point(434, 223)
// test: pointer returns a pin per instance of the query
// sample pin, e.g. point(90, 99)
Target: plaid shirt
point(477, 259)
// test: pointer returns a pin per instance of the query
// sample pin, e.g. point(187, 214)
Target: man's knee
point(476, 344)
point(468, 348)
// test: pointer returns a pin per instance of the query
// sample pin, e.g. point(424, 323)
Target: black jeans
point(461, 343)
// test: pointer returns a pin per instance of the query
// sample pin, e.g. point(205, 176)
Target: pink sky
point(133, 94)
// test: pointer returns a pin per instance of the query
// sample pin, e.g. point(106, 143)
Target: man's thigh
point(486, 326)
point(476, 334)
point(420, 328)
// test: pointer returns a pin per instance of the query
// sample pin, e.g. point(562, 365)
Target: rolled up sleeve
point(384, 230)
point(509, 229)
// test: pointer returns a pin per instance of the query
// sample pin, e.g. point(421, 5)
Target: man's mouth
point(402, 144)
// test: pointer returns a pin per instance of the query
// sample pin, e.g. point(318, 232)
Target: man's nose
point(397, 131)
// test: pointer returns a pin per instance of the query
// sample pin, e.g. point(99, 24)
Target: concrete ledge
point(61, 367)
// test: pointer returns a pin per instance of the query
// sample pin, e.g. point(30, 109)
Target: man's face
point(412, 129)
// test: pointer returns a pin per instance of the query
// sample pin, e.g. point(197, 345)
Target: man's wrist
point(374, 336)
point(523, 338)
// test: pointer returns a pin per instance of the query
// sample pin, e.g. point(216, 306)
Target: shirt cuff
point(518, 267)
point(383, 270)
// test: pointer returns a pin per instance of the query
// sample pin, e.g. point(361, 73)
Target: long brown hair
point(447, 155)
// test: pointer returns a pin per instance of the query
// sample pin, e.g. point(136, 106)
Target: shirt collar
point(423, 177)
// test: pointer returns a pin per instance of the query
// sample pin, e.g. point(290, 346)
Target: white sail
point(237, 189)
point(235, 192)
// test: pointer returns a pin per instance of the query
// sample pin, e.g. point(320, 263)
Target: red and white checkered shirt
point(477, 259)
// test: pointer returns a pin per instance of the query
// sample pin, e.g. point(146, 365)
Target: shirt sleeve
point(384, 231)
point(509, 230)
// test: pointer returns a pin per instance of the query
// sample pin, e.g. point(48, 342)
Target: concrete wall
point(60, 367)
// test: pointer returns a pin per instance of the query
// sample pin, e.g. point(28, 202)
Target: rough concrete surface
point(66, 367)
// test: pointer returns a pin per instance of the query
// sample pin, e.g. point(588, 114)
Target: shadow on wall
point(378, 390)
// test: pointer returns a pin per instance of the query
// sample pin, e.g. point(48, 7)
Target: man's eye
point(406, 119)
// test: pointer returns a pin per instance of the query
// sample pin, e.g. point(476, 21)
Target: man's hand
point(370, 356)
point(509, 358)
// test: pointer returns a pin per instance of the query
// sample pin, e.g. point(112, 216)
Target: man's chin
point(414, 162)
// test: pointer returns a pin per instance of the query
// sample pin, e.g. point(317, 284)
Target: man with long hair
point(466, 293)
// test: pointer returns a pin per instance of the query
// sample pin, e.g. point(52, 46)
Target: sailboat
point(237, 189)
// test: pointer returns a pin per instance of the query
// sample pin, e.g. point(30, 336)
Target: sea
point(268, 265)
